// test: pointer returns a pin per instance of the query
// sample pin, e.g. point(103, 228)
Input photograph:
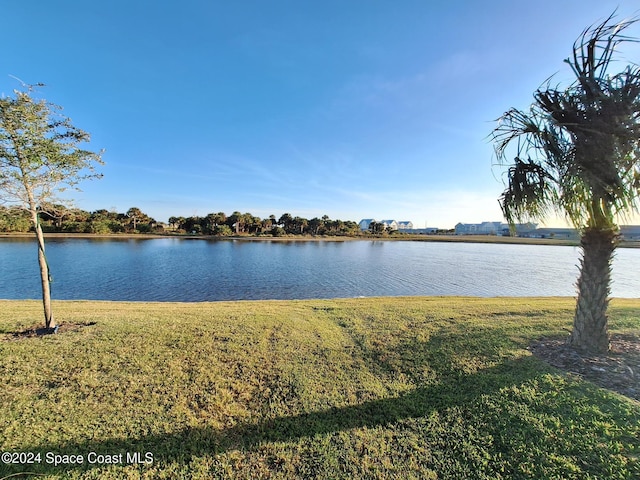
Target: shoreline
point(282, 301)
point(336, 238)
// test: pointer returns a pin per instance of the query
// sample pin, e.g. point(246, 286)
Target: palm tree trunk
point(590, 326)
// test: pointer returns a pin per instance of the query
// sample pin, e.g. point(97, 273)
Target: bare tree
point(40, 158)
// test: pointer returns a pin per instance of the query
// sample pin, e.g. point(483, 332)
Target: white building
point(484, 228)
point(365, 223)
point(390, 224)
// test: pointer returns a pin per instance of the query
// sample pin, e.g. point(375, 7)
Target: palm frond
point(582, 142)
point(528, 192)
point(594, 49)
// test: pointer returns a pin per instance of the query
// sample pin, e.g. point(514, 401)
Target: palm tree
point(582, 147)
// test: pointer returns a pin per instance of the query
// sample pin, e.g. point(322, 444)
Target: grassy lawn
point(354, 388)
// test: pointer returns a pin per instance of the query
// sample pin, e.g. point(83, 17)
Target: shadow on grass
point(180, 446)
point(37, 331)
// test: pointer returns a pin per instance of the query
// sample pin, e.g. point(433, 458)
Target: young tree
point(582, 149)
point(39, 158)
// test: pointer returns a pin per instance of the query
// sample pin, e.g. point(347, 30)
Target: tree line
point(62, 219)
point(248, 224)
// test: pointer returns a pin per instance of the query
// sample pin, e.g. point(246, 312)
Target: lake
point(191, 270)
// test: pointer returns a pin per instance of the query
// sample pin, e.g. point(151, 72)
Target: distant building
point(484, 228)
point(419, 231)
point(630, 232)
point(365, 223)
point(495, 228)
point(531, 230)
point(557, 233)
point(389, 224)
point(405, 225)
point(627, 232)
point(521, 229)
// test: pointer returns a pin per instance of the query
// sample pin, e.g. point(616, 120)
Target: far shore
point(330, 238)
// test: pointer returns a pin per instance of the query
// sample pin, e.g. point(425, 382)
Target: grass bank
point(353, 388)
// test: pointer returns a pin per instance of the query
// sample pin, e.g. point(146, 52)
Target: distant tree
point(376, 227)
point(286, 221)
point(278, 231)
point(219, 219)
point(316, 225)
point(180, 223)
point(578, 152)
point(101, 214)
point(174, 222)
point(192, 224)
point(351, 228)
point(241, 222)
point(299, 225)
point(65, 219)
point(39, 158)
point(267, 224)
point(222, 230)
point(149, 225)
point(331, 226)
point(14, 219)
point(56, 213)
point(135, 216)
point(253, 224)
point(100, 227)
point(236, 222)
point(208, 224)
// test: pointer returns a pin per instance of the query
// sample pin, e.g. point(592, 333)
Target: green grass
point(353, 388)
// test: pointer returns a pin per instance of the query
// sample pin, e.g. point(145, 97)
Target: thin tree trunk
point(590, 326)
point(49, 322)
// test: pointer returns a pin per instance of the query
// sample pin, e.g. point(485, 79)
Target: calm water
point(202, 270)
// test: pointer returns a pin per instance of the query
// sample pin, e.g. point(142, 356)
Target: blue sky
point(353, 109)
